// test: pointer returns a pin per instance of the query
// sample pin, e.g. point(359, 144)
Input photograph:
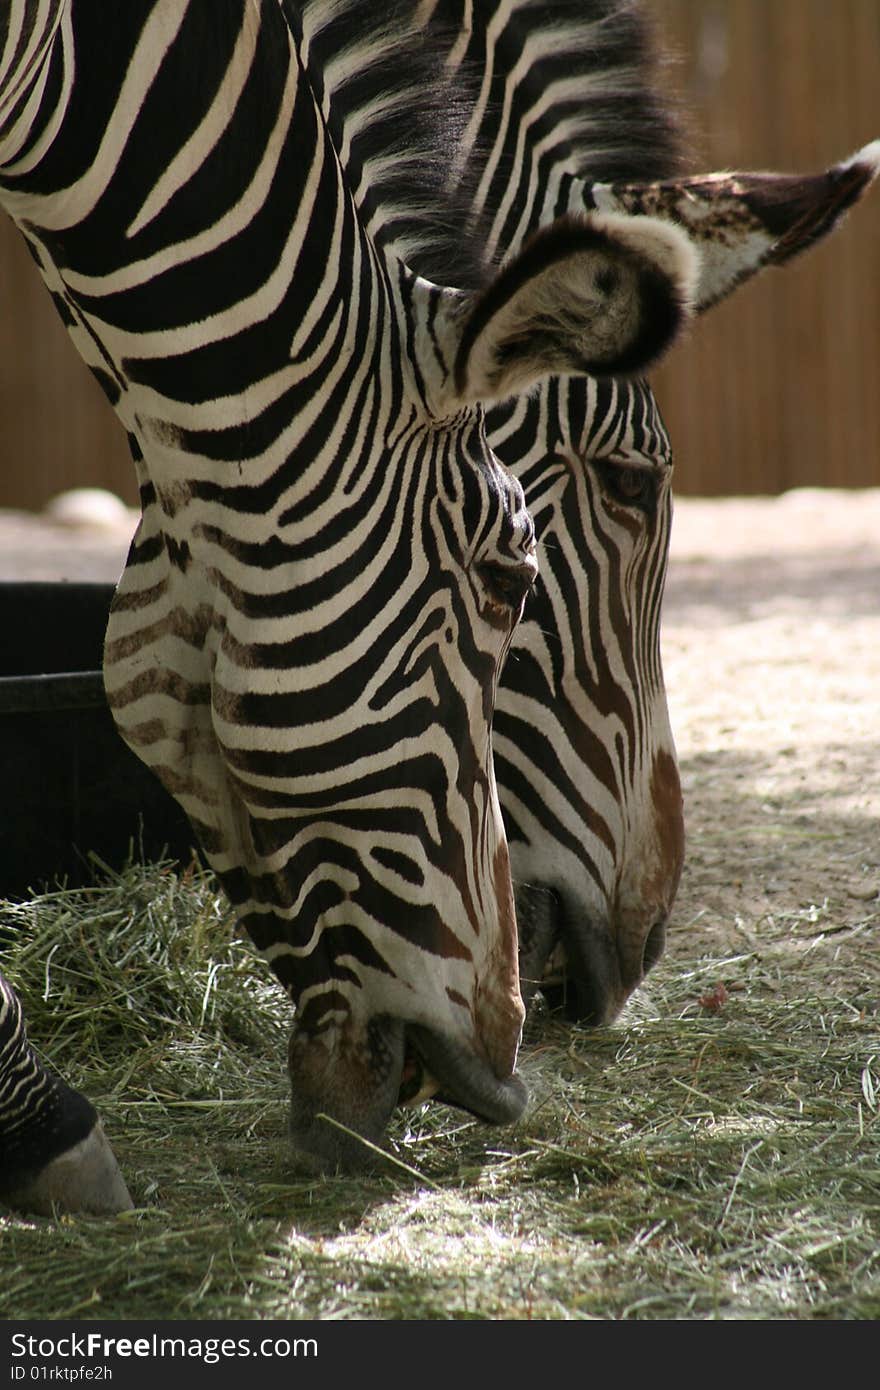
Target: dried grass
point(699, 1160)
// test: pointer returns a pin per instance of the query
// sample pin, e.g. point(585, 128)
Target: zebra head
point(565, 108)
point(584, 753)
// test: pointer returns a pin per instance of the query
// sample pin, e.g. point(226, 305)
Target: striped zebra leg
point(54, 1155)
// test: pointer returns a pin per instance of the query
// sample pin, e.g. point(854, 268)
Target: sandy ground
point(772, 659)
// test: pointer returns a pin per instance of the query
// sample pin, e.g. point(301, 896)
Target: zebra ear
point(597, 295)
point(743, 222)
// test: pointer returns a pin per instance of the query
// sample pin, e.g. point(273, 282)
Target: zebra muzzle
point(570, 958)
point(343, 1090)
point(465, 1079)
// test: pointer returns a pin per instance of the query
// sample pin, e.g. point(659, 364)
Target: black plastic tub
point(69, 786)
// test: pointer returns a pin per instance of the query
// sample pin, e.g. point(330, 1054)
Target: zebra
point(305, 642)
point(567, 112)
point(53, 1150)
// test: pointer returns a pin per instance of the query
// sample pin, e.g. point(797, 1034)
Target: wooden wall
point(56, 428)
point(778, 387)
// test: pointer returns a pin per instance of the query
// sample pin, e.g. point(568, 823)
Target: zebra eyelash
point(507, 586)
point(629, 485)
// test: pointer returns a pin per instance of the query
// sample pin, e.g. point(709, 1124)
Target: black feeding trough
point(70, 786)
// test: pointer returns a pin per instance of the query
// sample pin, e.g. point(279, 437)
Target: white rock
point(87, 506)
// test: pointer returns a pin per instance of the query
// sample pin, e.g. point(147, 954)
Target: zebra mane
point(423, 99)
point(591, 84)
point(396, 121)
point(572, 85)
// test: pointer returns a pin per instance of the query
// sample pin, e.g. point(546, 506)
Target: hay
point(699, 1160)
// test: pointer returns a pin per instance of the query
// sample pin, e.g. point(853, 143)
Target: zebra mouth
point(438, 1066)
point(541, 954)
point(572, 963)
point(416, 1084)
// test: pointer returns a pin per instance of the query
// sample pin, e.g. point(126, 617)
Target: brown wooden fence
point(778, 387)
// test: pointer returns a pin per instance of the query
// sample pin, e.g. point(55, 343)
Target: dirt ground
point(772, 660)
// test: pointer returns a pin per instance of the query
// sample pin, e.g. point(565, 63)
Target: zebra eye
point(506, 585)
point(634, 487)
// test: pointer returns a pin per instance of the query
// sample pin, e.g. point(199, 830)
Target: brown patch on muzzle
point(642, 915)
point(669, 828)
point(499, 1011)
point(348, 1075)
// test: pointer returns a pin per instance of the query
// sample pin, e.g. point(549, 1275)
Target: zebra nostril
point(655, 944)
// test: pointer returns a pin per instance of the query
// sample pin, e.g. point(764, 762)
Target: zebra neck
point(197, 234)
